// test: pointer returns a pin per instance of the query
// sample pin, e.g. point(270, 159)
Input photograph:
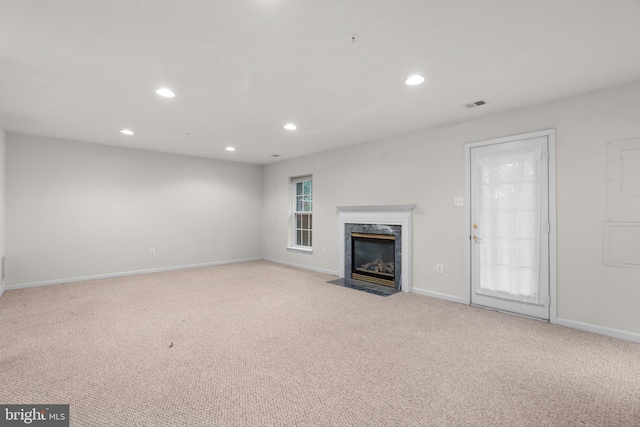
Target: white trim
point(602, 330)
point(553, 228)
point(301, 249)
point(467, 224)
point(301, 178)
point(520, 137)
point(126, 273)
point(292, 219)
point(380, 214)
point(304, 267)
point(438, 295)
point(553, 261)
point(2, 289)
point(376, 208)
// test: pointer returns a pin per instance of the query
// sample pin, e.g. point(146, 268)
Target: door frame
point(551, 138)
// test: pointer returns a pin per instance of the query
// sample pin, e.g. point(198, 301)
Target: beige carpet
point(260, 344)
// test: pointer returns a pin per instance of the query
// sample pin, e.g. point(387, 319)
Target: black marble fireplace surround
point(380, 229)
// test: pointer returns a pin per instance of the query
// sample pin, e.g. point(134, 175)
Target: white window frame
point(293, 246)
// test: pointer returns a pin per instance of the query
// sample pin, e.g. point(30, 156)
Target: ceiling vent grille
point(476, 104)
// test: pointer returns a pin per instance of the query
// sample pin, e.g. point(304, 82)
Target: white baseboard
point(438, 295)
point(2, 289)
point(602, 330)
point(304, 267)
point(126, 273)
point(588, 327)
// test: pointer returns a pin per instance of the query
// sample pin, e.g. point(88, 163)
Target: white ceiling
point(241, 69)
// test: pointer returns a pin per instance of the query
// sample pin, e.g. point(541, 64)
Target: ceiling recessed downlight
point(414, 80)
point(167, 93)
point(290, 126)
point(230, 148)
point(127, 132)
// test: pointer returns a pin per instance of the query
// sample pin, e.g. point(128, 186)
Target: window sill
point(301, 249)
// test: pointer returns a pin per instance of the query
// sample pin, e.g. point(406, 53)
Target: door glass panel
point(509, 224)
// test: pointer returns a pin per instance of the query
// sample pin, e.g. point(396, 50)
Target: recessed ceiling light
point(127, 132)
point(290, 126)
point(167, 93)
point(230, 148)
point(414, 80)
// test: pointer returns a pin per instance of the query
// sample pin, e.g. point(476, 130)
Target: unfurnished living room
point(320, 213)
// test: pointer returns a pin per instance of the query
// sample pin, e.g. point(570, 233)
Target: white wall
point(3, 163)
point(77, 210)
point(427, 168)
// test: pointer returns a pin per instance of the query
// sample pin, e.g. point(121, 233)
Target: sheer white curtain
point(509, 224)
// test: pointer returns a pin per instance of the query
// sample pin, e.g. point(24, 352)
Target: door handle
point(477, 239)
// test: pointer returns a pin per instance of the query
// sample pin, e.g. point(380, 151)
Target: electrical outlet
point(439, 269)
point(324, 252)
point(458, 201)
point(152, 251)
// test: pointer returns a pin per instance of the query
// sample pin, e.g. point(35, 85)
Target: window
point(302, 211)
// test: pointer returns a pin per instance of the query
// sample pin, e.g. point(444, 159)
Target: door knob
point(477, 239)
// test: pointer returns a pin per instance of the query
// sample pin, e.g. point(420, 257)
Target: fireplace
point(373, 258)
point(387, 225)
point(373, 253)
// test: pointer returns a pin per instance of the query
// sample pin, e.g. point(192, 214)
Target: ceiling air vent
point(476, 104)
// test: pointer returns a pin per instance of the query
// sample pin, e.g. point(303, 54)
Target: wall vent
point(476, 104)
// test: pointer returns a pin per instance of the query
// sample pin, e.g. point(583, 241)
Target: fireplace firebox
point(373, 258)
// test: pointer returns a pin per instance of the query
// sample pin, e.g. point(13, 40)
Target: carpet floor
point(261, 344)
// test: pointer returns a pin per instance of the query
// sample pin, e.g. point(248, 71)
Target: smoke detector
point(476, 104)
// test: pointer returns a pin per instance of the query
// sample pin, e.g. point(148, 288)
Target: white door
point(509, 214)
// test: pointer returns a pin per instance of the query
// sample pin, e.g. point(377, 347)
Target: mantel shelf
point(376, 208)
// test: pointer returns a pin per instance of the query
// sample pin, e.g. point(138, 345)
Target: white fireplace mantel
point(381, 214)
point(375, 208)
